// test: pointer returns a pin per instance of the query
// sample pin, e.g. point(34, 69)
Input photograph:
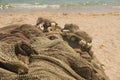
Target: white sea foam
point(35, 6)
point(5, 6)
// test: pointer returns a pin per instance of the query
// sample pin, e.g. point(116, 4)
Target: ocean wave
point(36, 5)
point(54, 6)
point(5, 6)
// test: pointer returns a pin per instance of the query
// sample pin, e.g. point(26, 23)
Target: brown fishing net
point(26, 53)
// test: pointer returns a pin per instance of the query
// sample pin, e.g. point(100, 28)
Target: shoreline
point(86, 9)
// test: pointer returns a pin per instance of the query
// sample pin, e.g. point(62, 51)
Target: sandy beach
point(104, 27)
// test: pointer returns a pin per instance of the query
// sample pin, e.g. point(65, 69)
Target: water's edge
point(64, 9)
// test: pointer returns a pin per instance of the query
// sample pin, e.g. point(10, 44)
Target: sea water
point(60, 5)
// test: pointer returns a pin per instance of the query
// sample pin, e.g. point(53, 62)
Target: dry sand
point(103, 27)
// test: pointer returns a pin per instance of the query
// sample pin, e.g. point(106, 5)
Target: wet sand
point(104, 27)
